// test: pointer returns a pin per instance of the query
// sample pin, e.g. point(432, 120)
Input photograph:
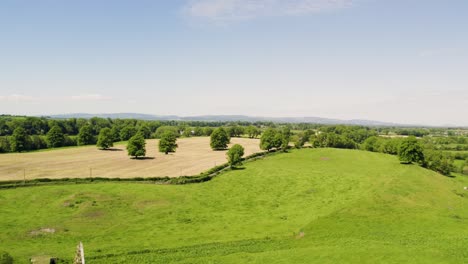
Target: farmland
point(193, 156)
point(309, 205)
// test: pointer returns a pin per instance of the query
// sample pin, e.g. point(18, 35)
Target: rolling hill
point(306, 206)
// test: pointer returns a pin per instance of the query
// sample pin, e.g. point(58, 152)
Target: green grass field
point(307, 206)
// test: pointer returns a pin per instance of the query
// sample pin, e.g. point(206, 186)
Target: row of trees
point(136, 146)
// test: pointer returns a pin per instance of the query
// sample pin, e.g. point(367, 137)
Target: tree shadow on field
point(113, 149)
point(237, 168)
point(143, 158)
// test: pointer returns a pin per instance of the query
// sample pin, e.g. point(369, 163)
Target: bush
point(235, 154)
point(5, 258)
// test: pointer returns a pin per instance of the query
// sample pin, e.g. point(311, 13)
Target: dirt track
point(193, 156)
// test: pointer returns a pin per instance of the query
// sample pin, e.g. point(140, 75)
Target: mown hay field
point(193, 156)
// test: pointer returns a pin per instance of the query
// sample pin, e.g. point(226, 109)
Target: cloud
point(17, 98)
point(235, 10)
point(89, 97)
point(27, 98)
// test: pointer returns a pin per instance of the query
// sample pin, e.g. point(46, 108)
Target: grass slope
point(312, 205)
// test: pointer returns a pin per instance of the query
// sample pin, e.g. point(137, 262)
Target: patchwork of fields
point(306, 206)
point(193, 156)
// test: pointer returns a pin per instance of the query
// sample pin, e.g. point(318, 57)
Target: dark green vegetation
point(305, 206)
point(410, 150)
point(234, 155)
point(136, 146)
point(219, 139)
point(167, 143)
point(105, 139)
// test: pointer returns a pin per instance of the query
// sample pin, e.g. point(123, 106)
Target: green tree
point(162, 129)
point(105, 138)
point(168, 142)
point(145, 131)
point(235, 154)
point(268, 140)
point(207, 131)
point(85, 136)
point(136, 146)
point(55, 137)
point(127, 132)
point(410, 151)
point(252, 131)
point(285, 138)
point(20, 140)
point(372, 144)
point(219, 139)
point(187, 132)
point(438, 161)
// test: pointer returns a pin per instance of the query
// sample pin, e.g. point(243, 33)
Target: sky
point(402, 61)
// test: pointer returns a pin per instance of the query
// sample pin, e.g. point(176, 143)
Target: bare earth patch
point(42, 231)
point(193, 156)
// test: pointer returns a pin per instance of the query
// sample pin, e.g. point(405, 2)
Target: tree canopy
point(219, 139)
point(235, 154)
point(105, 139)
point(136, 146)
point(167, 143)
point(85, 136)
point(55, 137)
point(20, 140)
point(410, 151)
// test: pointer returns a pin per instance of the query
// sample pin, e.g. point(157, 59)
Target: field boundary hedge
point(202, 177)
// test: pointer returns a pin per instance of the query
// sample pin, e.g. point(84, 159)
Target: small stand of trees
point(274, 139)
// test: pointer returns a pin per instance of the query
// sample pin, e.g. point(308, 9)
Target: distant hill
point(231, 118)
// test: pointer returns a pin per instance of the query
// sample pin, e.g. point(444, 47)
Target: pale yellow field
point(193, 156)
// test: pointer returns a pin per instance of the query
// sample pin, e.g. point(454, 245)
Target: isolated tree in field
point(105, 138)
point(55, 137)
point(20, 140)
point(219, 139)
point(136, 146)
point(268, 140)
point(410, 151)
point(167, 143)
point(235, 154)
point(85, 136)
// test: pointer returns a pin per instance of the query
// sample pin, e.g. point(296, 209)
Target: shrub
point(5, 258)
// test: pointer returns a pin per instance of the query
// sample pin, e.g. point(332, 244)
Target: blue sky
point(398, 61)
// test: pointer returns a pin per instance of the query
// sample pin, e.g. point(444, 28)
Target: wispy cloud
point(234, 10)
point(27, 98)
point(17, 98)
point(89, 97)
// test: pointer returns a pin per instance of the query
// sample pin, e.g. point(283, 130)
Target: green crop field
point(306, 206)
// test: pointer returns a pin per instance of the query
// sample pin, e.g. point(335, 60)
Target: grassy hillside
point(312, 205)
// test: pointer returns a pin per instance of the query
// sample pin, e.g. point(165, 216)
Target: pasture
point(306, 206)
point(192, 157)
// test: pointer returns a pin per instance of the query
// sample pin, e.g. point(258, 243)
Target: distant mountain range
point(231, 118)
